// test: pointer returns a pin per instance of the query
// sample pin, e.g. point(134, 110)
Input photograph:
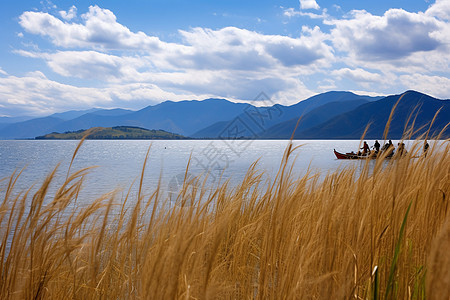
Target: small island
point(113, 133)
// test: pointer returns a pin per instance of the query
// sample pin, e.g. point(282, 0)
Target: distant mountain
point(72, 114)
point(30, 128)
point(316, 101)
point(5, 121)
point(327, 115)
point(315, 117)
point(212, 131)
point(94, 118)
point(184, 117)
point(9, 120)
point(111, 112)
point(113, 133)
point(417, 107)
point(255, 121)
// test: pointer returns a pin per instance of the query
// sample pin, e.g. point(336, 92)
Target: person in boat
point(365, 148)
point(376, 146)
point(388, 147)
point(425, 148)
point(401, 149)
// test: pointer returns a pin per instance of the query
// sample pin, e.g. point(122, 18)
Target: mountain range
point(330, 115)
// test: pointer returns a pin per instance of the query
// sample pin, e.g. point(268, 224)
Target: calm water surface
point(119, 163)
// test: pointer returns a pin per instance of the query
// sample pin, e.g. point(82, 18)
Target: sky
point(72, 55)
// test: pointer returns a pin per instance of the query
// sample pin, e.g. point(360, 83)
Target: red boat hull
point(356, 156)
point(349, 155)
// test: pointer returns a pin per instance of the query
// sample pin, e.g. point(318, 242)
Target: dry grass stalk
point(340, 237)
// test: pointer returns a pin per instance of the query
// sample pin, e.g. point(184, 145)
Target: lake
point(119, 162)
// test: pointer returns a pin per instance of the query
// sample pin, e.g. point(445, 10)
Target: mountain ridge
point(315, 117)
point(412, 106)
point(334, 114)
point(256, 121)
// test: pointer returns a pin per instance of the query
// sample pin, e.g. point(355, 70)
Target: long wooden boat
point(356, 156)
point(347, 155)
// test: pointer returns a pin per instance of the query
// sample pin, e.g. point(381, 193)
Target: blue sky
point(65, 55)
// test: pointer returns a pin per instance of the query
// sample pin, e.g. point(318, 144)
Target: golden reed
point(381, 234)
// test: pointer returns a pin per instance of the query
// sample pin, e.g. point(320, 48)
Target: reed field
point(382, 232)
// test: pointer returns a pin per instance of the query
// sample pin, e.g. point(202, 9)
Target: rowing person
point(425, 148)
point(376, 146)
point(388, 148)
point(401, 149)
point(365, 148)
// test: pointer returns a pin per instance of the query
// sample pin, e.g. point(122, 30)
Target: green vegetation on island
point(113, 133)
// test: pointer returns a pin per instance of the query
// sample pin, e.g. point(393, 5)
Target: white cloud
point(396, 43)
point(395, 35)
point(92, 65)
point(436, 86)
point(440, 9)
point(35, 94)
point(358, 75)
point(121, 66)
point(233, 84)
point(291, 12)
point(2, 72)
point(309, 4)
point(327, 85)
point(293, 93)
point(229, 62)
point(99, 30)
point(240, 49)
point(27, 53)
point(368, 93)
point(226, 48)
point(47, 4)
point(364, 78)
point(37, 75)
point(69, 15)
point(337, 7)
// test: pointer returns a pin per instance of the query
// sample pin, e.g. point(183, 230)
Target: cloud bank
point(398, 50)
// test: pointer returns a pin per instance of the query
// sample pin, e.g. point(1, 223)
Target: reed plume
point(378, 232)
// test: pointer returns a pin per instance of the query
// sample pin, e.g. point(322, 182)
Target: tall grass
point(382, 234)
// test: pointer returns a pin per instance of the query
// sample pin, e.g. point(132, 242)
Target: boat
point(347, 155)
point(353, 155)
